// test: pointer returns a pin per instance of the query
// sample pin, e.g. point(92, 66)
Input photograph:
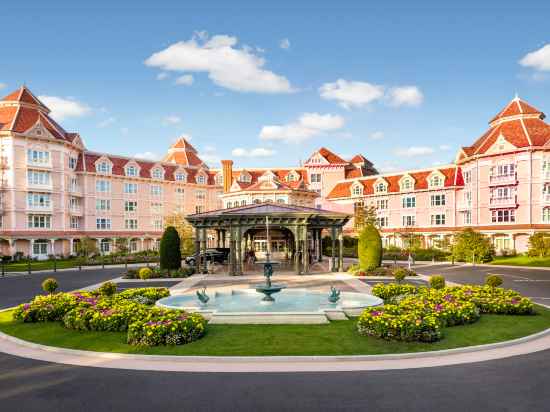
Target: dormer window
point(201, 179)
point(436, 181)
point(131, 171)
point(245, 177)
point(357, 190)
point(180, 177)
point(407, 184)
point(292, 176)
point(103, 167)
point(381, 188)
point(156, 173)
point(219, 179)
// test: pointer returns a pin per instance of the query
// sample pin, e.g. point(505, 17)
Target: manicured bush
point(107, 289)
point(437, 282)
point(167, 328)
point(150, 294)
point(47, 308)
point(145, 273)
point(170, 252)
point(470, 244)
point(390, 290)
point(493, 281)
point(50, 285)
point(539, 245)
point(399, 274)
point(370, 248)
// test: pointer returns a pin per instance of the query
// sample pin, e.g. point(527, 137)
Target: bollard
point(54, 264)
point(3, 268)
point(126, 263)
point(29, 264)
point(473, 258)
point(102, 261)
point(79, 264)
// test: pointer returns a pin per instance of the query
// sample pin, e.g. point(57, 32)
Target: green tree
point(539, 244)
point(370, 248)
point(170, 252)
point(470, 244)
point(364, 215)
point(122, 244)
point(87, 247)
point(185, 231)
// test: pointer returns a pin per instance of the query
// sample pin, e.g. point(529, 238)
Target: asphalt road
point(514, 384)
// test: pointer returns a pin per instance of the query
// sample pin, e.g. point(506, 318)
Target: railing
point(38, 208)
point(504, 201)
point(503, 179)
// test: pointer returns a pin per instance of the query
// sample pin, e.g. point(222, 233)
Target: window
point(157, 173)
point(102, 186)
point(467, 177)
point(409, 220)
point(36, 177)
point(382, 204)
point(357, 190)
point(503, 170)
point(40, 247)
point(130, 188)
point(382, 221)
point(200, 195)
point(103, 223)
point(103, 167)
point(102, 205)
point(75, 222)
point(229, 205)
point(156, 190)
point(181, 177)
point(72, 162)
point(409, 202)
point(406, 184)
point(256, 201)
point(316, 178)
point(502, 193)
point(105, 246)
point(546, 215)
point(245, 177)
point(73, 184)
point(279, 201)
point(219, 179)
point(199, 209)
point(157, 224)
point(503, 215)
point(291, 177)
point(131, 171)
point(74, 203)
point(130, 224)
point(467, 217)
point(436, 181)
point(201, 179)
point(438, 219)
point(437, 200)
point(38, 200)
point(380, 187)
point(156, 207)
point(130, 206)
point(38, 157)
point(39, 222)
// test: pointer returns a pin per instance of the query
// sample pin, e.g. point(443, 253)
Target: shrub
point(399, 274)
point(47, 308)
point(539, 244)
point(437, 282)
point(145, 273)
point(390, 290)
point(470, 244)
point(107, 289)
point(150, 295)
point(50, 285)
point(493, 281)
point(370, 248)
point(132, 274)
point(170, 253)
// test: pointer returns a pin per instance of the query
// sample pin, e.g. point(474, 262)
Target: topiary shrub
point(399, 274)
point(170, 252)
point(107, 289)
point(50, 285)
point(369, 248)
point(437, 282)
point(145, 273)
point(493, 281)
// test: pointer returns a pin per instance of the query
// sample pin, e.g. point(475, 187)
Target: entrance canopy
point(305, 225)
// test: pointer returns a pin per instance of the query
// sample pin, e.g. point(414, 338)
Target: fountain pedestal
point(268, 288)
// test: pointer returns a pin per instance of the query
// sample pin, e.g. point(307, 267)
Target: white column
point(31, 251)
point(52, 246)
point(142, 244)
point(71, 244)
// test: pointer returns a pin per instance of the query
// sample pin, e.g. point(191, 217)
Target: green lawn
point(336, 338)
point(40, 265)
point(522, 261)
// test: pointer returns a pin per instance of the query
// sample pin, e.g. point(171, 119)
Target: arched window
point(103, 167)
point(257, 201)
point(181, 177)
point(201, 179)
point(229, 204)
point(157, 173)
point(131, 171)
point(436, 181)
point(381, 187)
point(243, 202)
point(406, 184)
point(357, 190)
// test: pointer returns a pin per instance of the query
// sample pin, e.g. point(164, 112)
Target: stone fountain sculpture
point(334, 295)
point(268, 288)
point(203, 297)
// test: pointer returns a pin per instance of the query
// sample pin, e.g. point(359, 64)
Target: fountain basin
point(245, 306)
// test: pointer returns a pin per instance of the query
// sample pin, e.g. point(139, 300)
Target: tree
point(471, 245)
point(122, 245)
point(370, 248)
point(539, 244)
point(185, 231)
point(170, 252)
point(364, 215)
point(87, 246)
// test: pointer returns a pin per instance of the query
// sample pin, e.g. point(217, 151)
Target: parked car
point(211, 255)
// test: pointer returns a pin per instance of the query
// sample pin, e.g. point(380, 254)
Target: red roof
point(453, 177)
point(359, 158)
point(515, 108)
point(183, 153)
point(331, 157)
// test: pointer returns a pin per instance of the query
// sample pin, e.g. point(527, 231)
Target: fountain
point(268, 288)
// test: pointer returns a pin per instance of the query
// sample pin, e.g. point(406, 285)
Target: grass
point(336, 338)
point(36, 265)
point(522, 261)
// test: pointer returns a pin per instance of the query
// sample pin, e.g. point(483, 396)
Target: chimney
point(227, 170)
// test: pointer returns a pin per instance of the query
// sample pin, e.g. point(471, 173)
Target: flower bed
point(157, 273)
point(419, 314)
point(126, 311)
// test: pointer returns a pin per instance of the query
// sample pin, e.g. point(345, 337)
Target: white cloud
point(227, 65)
point(538, 59)
point(3, 86)
point(210, 157)
point(147, 156)
point(414, 151)
point(107, 122)
point(257, 152)
point(351, 93)
point(445, 147)
point(171, 120)
point(284, 44)
point(405, 96)
point(124, 130)
point(162, 76)
point(377, 135)
point(307, 126)
point(62, 108)
point(185, 80)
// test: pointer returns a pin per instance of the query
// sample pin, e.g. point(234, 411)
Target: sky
point(268, 83)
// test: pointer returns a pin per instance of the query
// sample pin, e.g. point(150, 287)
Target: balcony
point(497, 180)
point(75, 190)
point(40, 208)
point(500, 202)
point(546, 198)
point(464, 205)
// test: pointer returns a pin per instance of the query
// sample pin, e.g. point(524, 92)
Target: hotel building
point(53, 191)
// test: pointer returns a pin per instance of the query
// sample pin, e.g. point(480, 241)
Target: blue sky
point(267, 85)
